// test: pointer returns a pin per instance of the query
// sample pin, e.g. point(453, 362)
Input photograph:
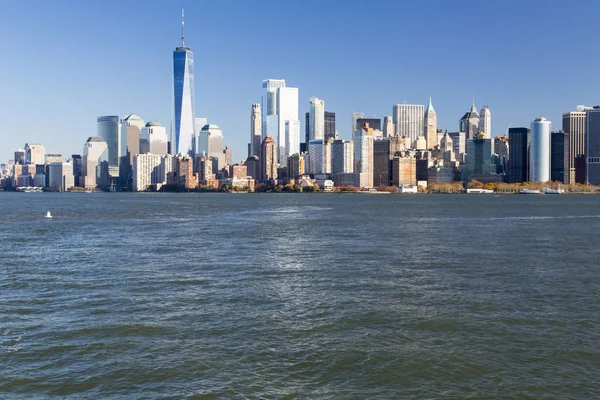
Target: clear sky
point(63, 63)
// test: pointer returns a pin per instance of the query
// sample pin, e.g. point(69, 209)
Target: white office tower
point(292, 138)
point(342, 157)
point(95, 151)
point(316, 119)
point(255, 130)
point(408, 120)
point(355, 117)
point(287, 107)
point(539, 151)
point(211, 143)
point(198, 125)
point(148, 170)
point(272, 85)
point(153, 139)
point(388, 126)
point(363, 155)
point(485, 121)
point(35, 153)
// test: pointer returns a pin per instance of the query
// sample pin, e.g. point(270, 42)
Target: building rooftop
point(95, 139)
point(153, 123)
point(210, 126)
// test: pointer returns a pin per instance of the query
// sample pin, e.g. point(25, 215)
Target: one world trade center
point(183, 87)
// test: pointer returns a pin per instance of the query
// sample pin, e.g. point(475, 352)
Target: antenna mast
point(182, 29)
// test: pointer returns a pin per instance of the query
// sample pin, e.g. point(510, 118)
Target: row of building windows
point(593, 160)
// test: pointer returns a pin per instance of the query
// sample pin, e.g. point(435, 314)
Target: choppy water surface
point(299, 296)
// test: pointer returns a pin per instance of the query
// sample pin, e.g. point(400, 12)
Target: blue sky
point(63, 63)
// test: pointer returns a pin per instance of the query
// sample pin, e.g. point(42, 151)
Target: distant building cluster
point(406, 149)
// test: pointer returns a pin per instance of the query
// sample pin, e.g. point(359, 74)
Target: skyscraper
point(408, 120)
point(382, 164)
point(268, 159)
point(485, 121)
point(34, 153)
point(154, 137)
point(559, 157)
point(574, 124)
point(478, 164)
point(316, 119)
point(388, 126)
point(592, 153)
point(110, 130)
point(363, 154)
point(469, 123)
point(539, 151)
point(329, 132)
point(255, 130)
point(211, 144)
point(373, 123)
point(355, 117)
point(342, 157)
point(430, 126)
point(95, 151)
point(518, 150)
point(282, 107)
point(183, 89)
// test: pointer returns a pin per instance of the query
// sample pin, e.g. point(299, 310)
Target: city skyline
point(517, 93)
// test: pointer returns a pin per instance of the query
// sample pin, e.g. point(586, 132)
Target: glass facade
point(183, 86)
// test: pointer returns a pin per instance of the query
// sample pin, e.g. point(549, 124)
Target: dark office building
point(518, 148)
point(381, 162)
point(374, 123)
point(329, 125)
point(560, 157)
point(592, 149)
point(307, 130)
point(77, 168)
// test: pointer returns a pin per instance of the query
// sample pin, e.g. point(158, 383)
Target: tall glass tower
point(183, 87)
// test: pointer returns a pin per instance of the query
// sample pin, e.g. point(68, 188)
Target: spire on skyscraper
point(429, 107)
point(473, 108)
point(182, 29)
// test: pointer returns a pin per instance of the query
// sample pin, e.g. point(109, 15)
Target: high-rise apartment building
point(539, 150)
point(342, 157)
point(295, 166)
point(110, 130)
point(404, 169)
point(592, 153)
point(430, 126)
point(268, 159)
point(485, 121)
point(255, 130)
point(574, 124)
point(388, 126)
point(292, 139)
point(518, 150)
point(469, 123)
point(559, 157)
point(316, 119)
point(183, 90)
point(35, 153)
point(148, 170)
point(363, 154)
point(409, 120)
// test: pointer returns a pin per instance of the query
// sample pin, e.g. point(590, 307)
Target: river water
point(316, 296)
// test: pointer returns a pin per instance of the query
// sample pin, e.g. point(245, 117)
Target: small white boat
point(529, 191)
point(553, 191)
point(480, 191)
point(48, 215)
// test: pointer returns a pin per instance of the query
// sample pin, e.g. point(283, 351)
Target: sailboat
point(48, 215)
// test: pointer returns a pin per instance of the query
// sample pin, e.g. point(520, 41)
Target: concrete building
point(205, 171)
point(382, 164)
point(501, 149)
point(388, 126)
point(478, 165)
point(185, 173)
point(109, 129)
point(342, 157)
point(60, 176)
point(199, 123)
point(430, 126)
point(211, 144)
point(373, 123)
point(355, 117)
point(404, 169)
point(153, 139)
point(282, 108)
point(485, 121)
point(459, 144)
point(409, 120)
point(518, 162)
point(95, 151)
point(469, 123)
point(574, 123)
point(316, 119)
point(148, 171)
point(268, 159)
point(20, 157)
point(539, 150)
point(77, 162)
point(440, 174)
point(51, 158)
point(363, 154)
point(253, 167)
point(560, 157)
point(592, 153)
point(34, 153)
point(255, 130)
point(320, 156)
point(329, 125)
point(295, 166)
point(292, 138)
